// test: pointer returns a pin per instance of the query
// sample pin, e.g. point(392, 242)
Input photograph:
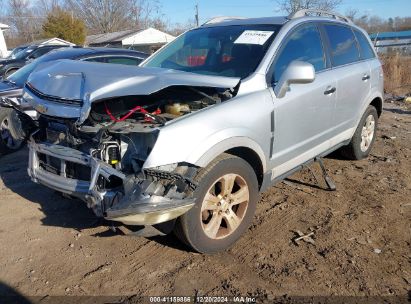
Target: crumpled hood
point(70, 79)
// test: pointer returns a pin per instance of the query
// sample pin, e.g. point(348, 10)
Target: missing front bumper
point(131, 208)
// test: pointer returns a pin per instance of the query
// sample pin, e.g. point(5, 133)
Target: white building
point(3, 47)
point(145, 40)
point(52, 41)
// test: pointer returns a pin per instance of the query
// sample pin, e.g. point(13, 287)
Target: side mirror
point(296, 72)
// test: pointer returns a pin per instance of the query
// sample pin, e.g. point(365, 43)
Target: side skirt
point(268, 182)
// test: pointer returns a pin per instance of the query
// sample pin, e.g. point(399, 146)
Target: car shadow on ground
point(59, 211)
point(72, 213)
point(9, 295)
point(398, 111)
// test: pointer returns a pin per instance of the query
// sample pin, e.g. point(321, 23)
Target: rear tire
point(226, 199)
point(364, 137)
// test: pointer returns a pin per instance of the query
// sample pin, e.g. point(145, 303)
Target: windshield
point(23, 53)
point(233, 51)
point(16, 51)
point(20, 76)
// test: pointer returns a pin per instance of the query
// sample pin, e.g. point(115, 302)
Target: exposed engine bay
point(137, 113)
point(103, 157)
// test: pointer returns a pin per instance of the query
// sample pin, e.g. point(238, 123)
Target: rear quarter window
point(124, 60)
point(343, 45)
point(95, 59)
point(366, 50)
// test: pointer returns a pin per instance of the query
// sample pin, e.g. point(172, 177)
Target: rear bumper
point(133, 208)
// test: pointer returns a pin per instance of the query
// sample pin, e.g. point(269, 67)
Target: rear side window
point(303, 44)
point(366, 51)
point(343, 44)
point(124, 60)
point(95, 59)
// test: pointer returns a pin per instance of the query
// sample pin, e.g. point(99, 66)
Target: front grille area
point(49, 163)
point(72, 170)
point(72, 102)
point(78, 171)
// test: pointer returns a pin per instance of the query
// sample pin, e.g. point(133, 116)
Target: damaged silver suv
point(187, 142)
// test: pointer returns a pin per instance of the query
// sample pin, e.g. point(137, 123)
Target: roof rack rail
point(222, 19)
point(307, 12)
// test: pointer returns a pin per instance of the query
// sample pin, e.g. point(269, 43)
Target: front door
point(303, 117)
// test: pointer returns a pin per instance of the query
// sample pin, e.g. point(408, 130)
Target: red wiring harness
point(131, 112)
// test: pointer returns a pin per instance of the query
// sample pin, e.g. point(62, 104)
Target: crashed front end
point(110, 188)
point(94, 138)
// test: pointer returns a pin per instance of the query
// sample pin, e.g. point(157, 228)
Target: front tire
point(9, 72)
point(226, 199)
point(364, 137)
point(9, 141)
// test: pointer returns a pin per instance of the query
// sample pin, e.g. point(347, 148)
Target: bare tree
point(376, 24)
point(104, 16)
point(351, 13)
point(179, 28)
point(402, 24)
point(147, 13)
point(291, 6)
point(45, 7)
point(24, 23)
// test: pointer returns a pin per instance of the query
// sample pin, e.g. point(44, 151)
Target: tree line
point(372, 24)
point(73, 19)
point(376, 24)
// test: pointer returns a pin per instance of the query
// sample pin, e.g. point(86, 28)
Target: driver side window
point(303, 44)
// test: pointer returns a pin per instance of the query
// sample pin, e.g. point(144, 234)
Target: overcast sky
point(182, 10)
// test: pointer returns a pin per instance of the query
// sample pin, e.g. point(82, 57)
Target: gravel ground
point(361, 237)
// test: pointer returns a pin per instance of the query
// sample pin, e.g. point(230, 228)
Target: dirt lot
point(53, 246)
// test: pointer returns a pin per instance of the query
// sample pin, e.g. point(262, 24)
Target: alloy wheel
point(367, 133)
point(224, 206)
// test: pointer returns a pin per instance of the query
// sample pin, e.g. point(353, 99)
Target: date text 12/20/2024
point(202, 299)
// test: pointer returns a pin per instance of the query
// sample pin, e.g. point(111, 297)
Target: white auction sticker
point(253, 37)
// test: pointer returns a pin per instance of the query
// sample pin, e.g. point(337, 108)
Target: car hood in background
point(75, 79)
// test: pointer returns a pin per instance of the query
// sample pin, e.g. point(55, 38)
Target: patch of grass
point(397, 73)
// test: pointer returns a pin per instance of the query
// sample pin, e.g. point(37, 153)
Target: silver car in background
point(187, 141)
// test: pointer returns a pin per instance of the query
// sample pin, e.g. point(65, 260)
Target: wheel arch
point(13, 68)
point(251, 157)
point(377, 103)
point(242, 147)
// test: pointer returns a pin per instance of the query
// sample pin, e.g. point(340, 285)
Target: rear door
point(302, 118)
point(367, 53)
point(353, 77)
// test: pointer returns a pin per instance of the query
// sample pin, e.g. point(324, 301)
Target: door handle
point(365, 77)
point(330, 90)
